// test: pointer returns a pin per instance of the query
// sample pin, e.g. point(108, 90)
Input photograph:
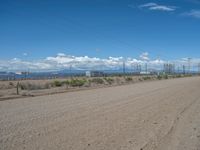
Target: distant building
point(144, 72)
point(94, 74)
point(18, 73)
point(22, 73)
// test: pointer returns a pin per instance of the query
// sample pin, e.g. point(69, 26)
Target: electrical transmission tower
point(146, 68)
point(183, 69)
point(189, 65)
point(70, 70)
point(199, 68)
point(124, 67)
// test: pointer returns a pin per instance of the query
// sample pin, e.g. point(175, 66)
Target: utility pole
point(133, 68)
point(124, 65)
point(189, 63)
point(173, 68)
point(70, 71)
point(178, 70)
point(146, 68)
point(137, 68)
point(140, 68)
point(183, 69)
point(18, 88)
point(199, 68)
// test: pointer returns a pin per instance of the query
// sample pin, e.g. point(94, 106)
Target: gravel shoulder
point(162, 115)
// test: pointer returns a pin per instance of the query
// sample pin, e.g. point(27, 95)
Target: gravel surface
point(163, 115)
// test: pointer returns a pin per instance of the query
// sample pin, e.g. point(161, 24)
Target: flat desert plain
point(156, 115)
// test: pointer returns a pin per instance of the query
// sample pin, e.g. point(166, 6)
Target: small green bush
point(58, 83)
point(67, 82)
point(178, 76)
point(159, 77)
point(129, 79)
point(109, 80)
point(187, 75)
point(146, 78)
point(76, 82)
point(165, 76)
point(30, 86)
point(11, 83)
point(140, 79)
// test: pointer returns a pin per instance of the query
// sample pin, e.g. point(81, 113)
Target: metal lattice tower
point(199, 68)
point(146, 68)
point(183, 69)
point(124, 67)
point(189, 65)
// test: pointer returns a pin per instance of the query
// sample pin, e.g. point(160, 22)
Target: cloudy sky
point(51, 35)
point(63, 61)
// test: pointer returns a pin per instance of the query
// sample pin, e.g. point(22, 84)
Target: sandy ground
point(160, 115)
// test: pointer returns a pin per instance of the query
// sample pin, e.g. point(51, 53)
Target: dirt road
point(160, 115)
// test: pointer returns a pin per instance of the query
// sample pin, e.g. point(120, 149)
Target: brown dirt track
point(163, 115)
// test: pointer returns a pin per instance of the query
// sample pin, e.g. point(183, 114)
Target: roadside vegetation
point(72, 83)
point(34, 86)
point(129, 79)
point(109, 80)
point(80, 82)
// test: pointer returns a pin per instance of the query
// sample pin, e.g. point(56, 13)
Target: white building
point(94, 74)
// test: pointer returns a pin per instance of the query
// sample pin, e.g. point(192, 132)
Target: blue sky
point(37, 29)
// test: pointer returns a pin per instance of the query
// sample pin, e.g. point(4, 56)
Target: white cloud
point(162, 8)
point(63, 61)
point(148, 5)
point(192, 13)
point(61, 54)
point(154, 6)
point(144, 56)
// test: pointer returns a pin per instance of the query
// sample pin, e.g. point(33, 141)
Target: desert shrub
point(24, 86)
point(58, 83)
point(178, 76)
point(97, 81)
point(29, 86)
point(159, 77)
point(72, 82)
point(109, 80)
point(146, 78)
point(66, 82)
point(140, 79)
point(129, 79)
point(165, 76)
point(76, 82)
point(11, 83)
point(187, 75)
